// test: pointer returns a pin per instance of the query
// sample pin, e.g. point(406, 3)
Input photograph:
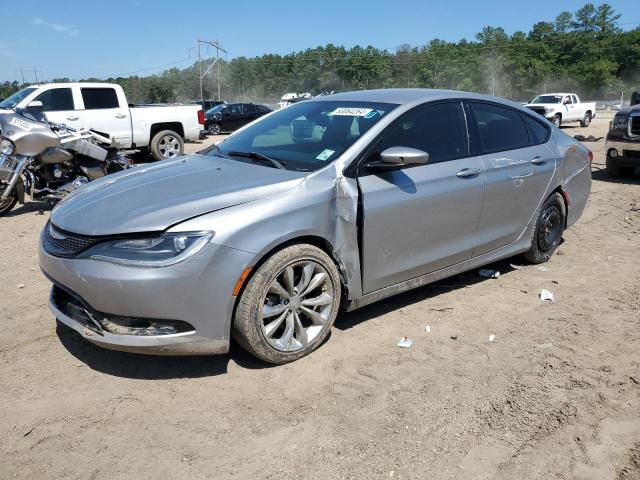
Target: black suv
point(231, 116)
point(623, 140)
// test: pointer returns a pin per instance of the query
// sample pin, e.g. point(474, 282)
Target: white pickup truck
point(562, 108)
point(103, 107)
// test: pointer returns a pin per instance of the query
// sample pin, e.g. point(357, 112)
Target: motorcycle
point(47, 160)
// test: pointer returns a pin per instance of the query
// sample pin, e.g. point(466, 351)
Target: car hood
point(155, 197)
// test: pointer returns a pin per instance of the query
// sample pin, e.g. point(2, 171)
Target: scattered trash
point(546, 295)
point(29, 431)
point(486, 273)
point(443, 309)
point(20, 285)
point(542, 268)
point(454, 337)
point(492, 338)
point(543, 346)
point(405, 342)
point(635, 380)
point(554, 281)
point(427, 329)
point(590, 138)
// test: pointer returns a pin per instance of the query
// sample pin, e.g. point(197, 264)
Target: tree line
point(584, 51)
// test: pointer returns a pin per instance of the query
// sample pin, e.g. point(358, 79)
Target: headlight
point(548, 109)
point(151, 252)
point(6, 147)
point(620, 122)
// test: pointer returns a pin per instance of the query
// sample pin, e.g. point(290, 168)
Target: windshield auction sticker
point(16, 122)
point(325, 155)
point(351, 112)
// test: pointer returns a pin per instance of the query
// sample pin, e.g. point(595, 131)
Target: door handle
point(539, 161)
point(72, 119)
point(121, 115)
point(468, 172)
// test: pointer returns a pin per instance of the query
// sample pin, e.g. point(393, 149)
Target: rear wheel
point(214, 129)
point(166, 144)
point(289, 305)
point(7, 205)
point(557, 120)
point(548, 231)
point(618, 171)
point(586, 120)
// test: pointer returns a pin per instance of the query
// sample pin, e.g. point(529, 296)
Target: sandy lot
point(557, 395)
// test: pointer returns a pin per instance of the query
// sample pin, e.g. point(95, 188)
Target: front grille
point(538, 110)
point(59, 243)
point(634, 125)
point(631, 154)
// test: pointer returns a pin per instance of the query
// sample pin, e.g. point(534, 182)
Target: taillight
point(590, 156)
point(201, 117)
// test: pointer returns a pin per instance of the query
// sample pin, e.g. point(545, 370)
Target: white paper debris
point(492, 337)
point(486, 273)
point(427, 329)
point(546, 295)
point(542, 268)
point(405, 342)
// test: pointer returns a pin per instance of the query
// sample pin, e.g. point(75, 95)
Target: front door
point(420, 219)
point(518, 168)
point(59, 106)
point(106, 113)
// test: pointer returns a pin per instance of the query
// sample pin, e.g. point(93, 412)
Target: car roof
point(402, 96)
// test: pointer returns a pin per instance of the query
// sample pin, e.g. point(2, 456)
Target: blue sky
point(76, 39)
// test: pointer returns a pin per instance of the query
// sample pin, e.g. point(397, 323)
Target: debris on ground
point(590, 138)
point(405, 342)
point(20, 285)
point(486, 273)
point(546, 295)
point(543, 346)
point(427, 329)
point(454, 336)
point(542, 268)
point(492, 338)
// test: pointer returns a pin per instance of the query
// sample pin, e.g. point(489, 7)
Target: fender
point(5, 174)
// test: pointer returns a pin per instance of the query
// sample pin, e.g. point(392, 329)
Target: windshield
point(16, 98)
point(217, 108)
point(305, 136)
point(547, 99)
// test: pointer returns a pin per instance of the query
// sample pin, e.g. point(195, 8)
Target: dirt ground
point(556, 395)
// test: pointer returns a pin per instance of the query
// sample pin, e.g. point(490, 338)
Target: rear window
point(99, 98)
point(500, 128)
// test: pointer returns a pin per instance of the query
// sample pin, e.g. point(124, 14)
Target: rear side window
point(500, 128)
point(56, 99)
point(99, 98)
point(439, 130)
point(537, 131)
point(249, 108)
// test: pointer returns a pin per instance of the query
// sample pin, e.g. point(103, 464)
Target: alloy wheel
point(169, 146)
point(297, 306)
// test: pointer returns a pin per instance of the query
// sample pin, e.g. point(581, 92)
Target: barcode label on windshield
point(351, 112)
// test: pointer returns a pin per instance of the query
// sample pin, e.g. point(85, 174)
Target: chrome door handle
point(539, 161)
point(468, 172)
point(72, 119)
point(121, 115)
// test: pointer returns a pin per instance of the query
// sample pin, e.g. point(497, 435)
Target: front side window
point(235, 109)
point(56, 100)
point(99, 98)
point(439, 130)
point(305, 136)
point(500, 128)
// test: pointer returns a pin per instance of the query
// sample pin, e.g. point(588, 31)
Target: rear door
point(61, 106)
point(420, 219)
point(106, 112)
point(232, 117)
point(518, 167)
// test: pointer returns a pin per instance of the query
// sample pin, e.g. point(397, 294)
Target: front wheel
point(586, 120)
point(289, 305)
point(166, 144)
point(548, 231)
point(557, 121)
point(7, 205)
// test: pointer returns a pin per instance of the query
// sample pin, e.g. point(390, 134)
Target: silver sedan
point(329, 204)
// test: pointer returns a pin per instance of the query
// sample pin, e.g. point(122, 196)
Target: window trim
point(520, 113)
point(355, 170)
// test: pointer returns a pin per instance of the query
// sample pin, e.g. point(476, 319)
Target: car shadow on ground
point(602, 175)
point(152, 367)
point(349, 320)
point(41, 207)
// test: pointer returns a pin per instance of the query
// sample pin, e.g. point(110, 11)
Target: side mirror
point(404, 156)
point(566, 102)
point(35, 105)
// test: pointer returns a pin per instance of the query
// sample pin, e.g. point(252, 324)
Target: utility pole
point(22, 72)
point(216, 45)
point(35, 73)
point(493, 80)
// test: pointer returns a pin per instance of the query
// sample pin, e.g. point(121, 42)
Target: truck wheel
point(586, 120)
point(549, 230)
point(557, 120)
point(166, 144)
point(214, 129)
point(617, 171)
point(289, 305)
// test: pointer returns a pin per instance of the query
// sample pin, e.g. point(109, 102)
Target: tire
point(549, 229)
point(214, 129)
point(617, 171)
point(166, 144)
point(557, 120)
point(10, 202)
point(586, 120)
point(288, 332)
